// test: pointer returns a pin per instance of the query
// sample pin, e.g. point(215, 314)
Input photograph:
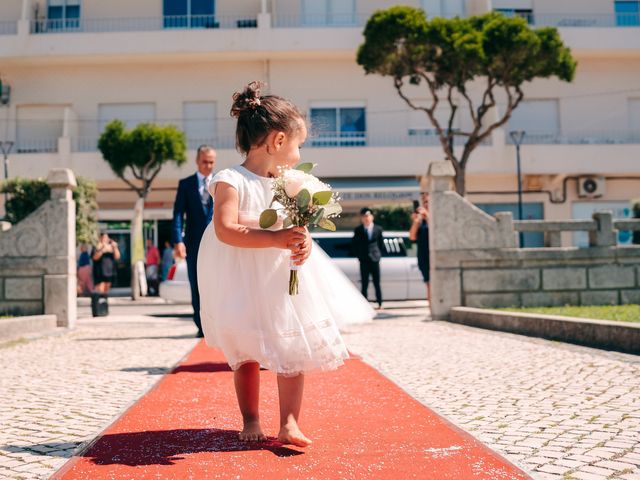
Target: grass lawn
point(621, 313)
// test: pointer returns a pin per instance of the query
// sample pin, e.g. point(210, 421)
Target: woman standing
point(105, 256)
point(419, 233)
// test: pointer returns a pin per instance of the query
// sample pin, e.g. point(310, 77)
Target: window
point(63, 14)
point(419, 123)
point(538, 118)
point(443, 8)
point(342, 126)
point(130, 113)
point(189, 14)
point(38, 128)
point(199, 123)
point(627, 13)
point(328, 12)
point(525, 13)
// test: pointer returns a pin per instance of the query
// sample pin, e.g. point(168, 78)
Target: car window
point(394, 246)
point(336, 247)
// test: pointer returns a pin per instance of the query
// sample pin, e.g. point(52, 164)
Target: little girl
point(243, 273)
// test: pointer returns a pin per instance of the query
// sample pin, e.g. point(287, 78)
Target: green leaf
point(327, 224)
point(306, 167)
point(316, 217)
point(268, 218)
point(303, 199)
point(321, 198)
point(287, 222)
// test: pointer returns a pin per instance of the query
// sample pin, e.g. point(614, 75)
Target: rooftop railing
point(581, 138)
point(8, 27)
point(583, 20)
point(37, 145)
point(141, 24)
point(319, 20)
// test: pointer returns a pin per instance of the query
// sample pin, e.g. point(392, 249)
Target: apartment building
point(68, 67)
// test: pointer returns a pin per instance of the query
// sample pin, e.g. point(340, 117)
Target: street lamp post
point(6, 146)
point(517, 136)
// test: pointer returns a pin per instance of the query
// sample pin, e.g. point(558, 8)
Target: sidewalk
point(558, 411)
point(59, 391)
point(363, 427)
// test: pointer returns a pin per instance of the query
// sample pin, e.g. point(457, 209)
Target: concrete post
point(446, 290)
point(60, 277)
point(604, 235)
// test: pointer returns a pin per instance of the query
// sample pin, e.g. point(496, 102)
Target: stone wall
point(37, 257)
point(475, 260)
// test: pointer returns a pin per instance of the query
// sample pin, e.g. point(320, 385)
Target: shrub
point(393, 217)
point(26, 195)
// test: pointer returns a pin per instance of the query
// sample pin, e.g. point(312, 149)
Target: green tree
point(27, 194)
point(136, 156)
point(449, 55)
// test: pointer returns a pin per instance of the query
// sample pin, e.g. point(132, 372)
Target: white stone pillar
point(446, 290)
point(60, 277)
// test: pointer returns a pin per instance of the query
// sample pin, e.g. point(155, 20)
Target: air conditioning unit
point(591, 186)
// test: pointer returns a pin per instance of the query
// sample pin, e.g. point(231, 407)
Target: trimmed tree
point(448, 55)
point(136, 156)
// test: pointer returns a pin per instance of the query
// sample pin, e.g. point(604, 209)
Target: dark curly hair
point(259, 115)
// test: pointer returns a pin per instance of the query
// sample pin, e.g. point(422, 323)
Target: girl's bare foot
point(252, 432)
point(291, 434)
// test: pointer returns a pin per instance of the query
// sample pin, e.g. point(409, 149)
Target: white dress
point(245, 306)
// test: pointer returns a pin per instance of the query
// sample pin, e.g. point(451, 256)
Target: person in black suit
point(367, 244)
point(194, 202)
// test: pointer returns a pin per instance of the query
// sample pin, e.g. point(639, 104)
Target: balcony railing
point(583, 20)
point(141, 24)
point(37, 145)
point(581, 138)
point(320, 20)
point(8, 27)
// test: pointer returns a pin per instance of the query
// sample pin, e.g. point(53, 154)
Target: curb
point(12, 328)
point(603, 334)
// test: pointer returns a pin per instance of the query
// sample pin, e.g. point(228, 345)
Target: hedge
point(27, 194)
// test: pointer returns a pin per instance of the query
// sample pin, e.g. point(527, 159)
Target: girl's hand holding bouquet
point(305, 201)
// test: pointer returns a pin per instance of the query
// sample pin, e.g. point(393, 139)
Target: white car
point(400, 278)
point(176, 287)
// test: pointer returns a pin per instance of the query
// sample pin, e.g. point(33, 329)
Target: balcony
point(141, 24)
point(582, 20)
point(327, 20)
point(620, 137)
point(8, 27)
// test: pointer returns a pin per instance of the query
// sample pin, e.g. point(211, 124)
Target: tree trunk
point(138, 287)
point(460, 182)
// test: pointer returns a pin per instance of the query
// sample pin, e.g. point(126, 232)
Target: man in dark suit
point(368, 245)
point(194, 202)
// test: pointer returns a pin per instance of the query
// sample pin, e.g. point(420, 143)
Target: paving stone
point(585, 398)
point(88, 376)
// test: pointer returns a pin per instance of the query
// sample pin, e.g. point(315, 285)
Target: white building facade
point(74, 65)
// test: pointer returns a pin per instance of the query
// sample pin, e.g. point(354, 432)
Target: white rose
point(313, 185)
point(294, 181)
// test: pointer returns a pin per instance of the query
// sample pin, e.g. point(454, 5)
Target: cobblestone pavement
point(558, 411)
point(59, 391)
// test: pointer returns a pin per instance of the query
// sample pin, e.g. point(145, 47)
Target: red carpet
point(363, 427)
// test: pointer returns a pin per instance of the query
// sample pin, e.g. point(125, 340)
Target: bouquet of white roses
point(305, 201)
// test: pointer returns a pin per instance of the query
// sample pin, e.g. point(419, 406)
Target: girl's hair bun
point(248, 100)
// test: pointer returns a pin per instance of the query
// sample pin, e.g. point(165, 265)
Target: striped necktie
point(205, 192)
